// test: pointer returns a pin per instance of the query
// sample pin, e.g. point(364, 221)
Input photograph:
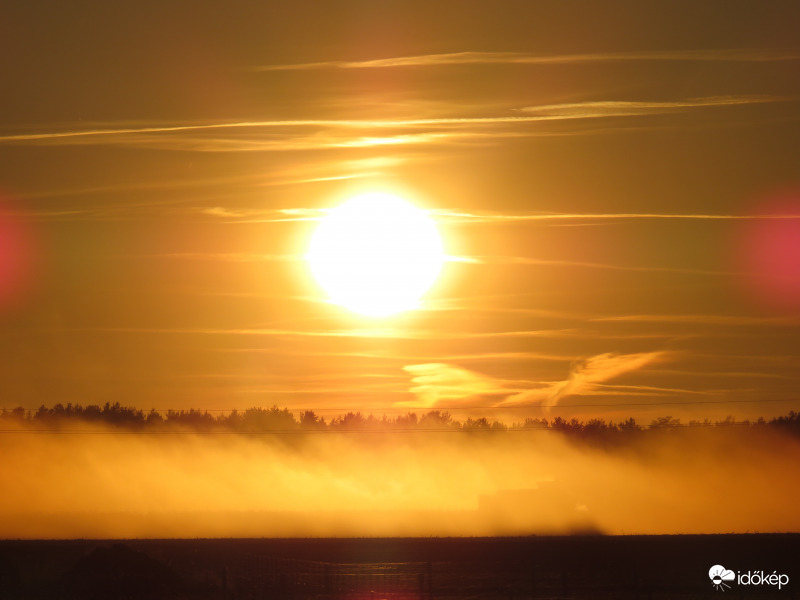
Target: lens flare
point(17, 257)
point(769, 253)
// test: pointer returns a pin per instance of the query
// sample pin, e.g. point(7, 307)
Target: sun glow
point(376, 255)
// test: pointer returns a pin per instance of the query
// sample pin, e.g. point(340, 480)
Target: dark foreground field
point(641, 567)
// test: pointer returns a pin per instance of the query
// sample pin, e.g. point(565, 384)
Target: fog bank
point(104, 483)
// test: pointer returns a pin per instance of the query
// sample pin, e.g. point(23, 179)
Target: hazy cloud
point(438, 383)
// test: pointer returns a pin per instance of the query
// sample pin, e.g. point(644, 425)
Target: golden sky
point(615, 184)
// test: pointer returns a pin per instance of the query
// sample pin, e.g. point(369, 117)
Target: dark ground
point(641, 567)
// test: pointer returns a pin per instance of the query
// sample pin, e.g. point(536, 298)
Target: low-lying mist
point(100, 481)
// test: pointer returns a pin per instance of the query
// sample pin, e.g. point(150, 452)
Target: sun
point(376, 255)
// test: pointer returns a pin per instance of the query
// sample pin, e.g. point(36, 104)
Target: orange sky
point(600, 174)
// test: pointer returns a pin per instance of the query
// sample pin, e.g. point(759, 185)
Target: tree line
point(282, 420)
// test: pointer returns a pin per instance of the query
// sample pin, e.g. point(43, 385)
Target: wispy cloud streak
point(243, 257)
point(381, 333)
point(510, 58)
point(249, 215)
point(624, 108)
point(456, 216)
point(441, 384)
point(521, 260)
point(338, 133)
point(586, 376)
point(435, 384)
point(724, 320)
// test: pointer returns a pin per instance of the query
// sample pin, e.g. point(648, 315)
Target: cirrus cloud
point(440, 384)
point(585, 376)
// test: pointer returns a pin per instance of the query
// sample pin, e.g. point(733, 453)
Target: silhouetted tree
point(407, 421)
point(351, 421)
point(573, 426)
point(259, 420)
point(436, 420)
point(595, 427)
point(191, 419)
point(789, 423)
point(629, 426)
point(665, 423)
point(122, 416)
point(154, 419)
point(480, 424)
point(92, 413)
point(309, 420)
point(15, 415)
point(534, 423)
point(232, 420)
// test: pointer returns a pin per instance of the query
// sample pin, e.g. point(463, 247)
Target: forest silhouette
point(276, 420)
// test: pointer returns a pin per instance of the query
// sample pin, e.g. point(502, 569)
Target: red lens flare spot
point(17, 258)
point(770, 253)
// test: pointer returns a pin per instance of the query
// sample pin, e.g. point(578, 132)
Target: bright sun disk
point(376, 255)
